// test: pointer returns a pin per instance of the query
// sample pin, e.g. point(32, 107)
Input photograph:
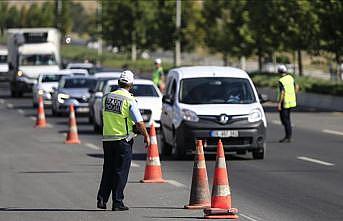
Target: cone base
point(153, 181)
point(40, 126)
point(72, 142)
point(198, 206)
point(221, 217)
point(217, 213)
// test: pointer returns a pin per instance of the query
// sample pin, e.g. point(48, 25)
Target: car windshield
point(78, 83)
point(138, 90)
point(51, 78)
point(216, 91)
point(3, 59)
point(37, 59)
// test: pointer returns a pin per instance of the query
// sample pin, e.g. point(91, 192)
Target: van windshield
point(37, 59)
point(216, 91)
point(3, 59)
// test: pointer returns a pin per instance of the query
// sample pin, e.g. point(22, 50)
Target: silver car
point(72, 90)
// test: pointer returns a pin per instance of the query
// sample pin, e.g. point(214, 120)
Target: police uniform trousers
point(285, 117)
point(117, 162)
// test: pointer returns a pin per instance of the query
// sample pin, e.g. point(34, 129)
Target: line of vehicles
point(200, 102)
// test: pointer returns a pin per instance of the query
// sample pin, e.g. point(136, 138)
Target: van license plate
point(224, 133)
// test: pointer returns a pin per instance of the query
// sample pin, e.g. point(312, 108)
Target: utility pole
point(99, 27)
point(177, 61)
point(58, 8)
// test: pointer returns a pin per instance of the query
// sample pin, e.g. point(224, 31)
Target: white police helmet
point(126, 77)
point(282, 69)
point(158, 61)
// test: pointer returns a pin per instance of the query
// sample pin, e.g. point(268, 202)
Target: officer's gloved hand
point(135, 130)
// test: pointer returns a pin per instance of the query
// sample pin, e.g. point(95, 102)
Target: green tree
point(226, 28)
point(262, 23)
point(298, 26)
point(3, 17)
point(330, 15)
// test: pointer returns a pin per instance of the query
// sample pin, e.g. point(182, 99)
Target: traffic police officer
point(158, 75)
point(120, 116)
point(287, 101)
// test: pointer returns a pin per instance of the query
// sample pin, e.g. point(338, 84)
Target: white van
point(212, 103)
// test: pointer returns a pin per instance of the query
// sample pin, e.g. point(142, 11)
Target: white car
point(4, 76)
point(147, 95)
point(45, 86)
point(75, 72)
point(86, 66)
point(212, 103)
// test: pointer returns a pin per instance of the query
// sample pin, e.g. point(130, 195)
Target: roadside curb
point(329, 102)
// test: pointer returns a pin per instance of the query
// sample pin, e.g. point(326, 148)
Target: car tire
point(166, 149)
point(259, 154)
point(177, 151)
point(96, 128)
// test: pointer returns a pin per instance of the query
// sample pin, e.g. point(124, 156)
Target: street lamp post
point(177, 60)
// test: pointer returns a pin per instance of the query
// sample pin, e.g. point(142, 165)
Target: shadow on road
point(173, 217)
point(46, 172)
point(47, 210)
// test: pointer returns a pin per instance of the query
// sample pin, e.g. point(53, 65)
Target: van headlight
point(20, 73)
point(189, 115)
point(255, 115)
point(61, 97)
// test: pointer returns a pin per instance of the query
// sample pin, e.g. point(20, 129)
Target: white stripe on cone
point(200, 164)
point(153, 140)
point(153, 161)
point(221, 190)
point(221, 163)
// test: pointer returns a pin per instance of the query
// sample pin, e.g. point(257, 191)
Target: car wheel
point(259, 154)
point(96, 128)
point(166, 149)
point(177, 151)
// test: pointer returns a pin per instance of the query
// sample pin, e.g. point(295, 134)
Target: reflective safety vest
point(156, 76)
point(116, 115)
point(290, 97)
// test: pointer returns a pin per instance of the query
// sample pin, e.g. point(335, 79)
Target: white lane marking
point(49, 125)
point(92, 146)
point(2, 101)
point(21, 111)
point(247, 217)
point(315, 161)
point(135, 164)
point(33, 118)
point(332, 132)
point(276, 122)
point(175, 183)
point(9, 105)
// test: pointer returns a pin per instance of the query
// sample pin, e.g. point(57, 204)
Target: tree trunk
point(300, 64)
point(339, 71)
point(259, 54)
point(133, 52)
point(225, 60)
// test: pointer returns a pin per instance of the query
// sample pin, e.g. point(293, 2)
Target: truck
point(3, 64)
point(31, 51)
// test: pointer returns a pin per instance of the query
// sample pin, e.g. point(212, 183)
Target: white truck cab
point(31, 51)
point(212, 103)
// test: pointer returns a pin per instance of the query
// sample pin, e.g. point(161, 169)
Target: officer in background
point(158, 75)
point(120, 117)
point(287, 101)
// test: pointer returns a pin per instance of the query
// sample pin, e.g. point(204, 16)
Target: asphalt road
point(41, 178)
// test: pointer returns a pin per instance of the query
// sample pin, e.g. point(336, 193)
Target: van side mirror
point(167, 99)
point(263, 98)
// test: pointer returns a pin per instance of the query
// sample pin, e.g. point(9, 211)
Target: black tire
point(96, 128)
point(259, 154)
point(241, 152)
point(178, 152)
point(16, 93)
point(166, 149)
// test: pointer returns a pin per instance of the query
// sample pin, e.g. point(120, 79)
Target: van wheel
point(177, 151)
point(166, 149)
point(259, 154)
point(96, 128)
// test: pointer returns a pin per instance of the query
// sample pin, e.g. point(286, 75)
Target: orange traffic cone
point(40, 122)
point(72, 137)
point(221, 194)
point(200, 194)
point(153, 171)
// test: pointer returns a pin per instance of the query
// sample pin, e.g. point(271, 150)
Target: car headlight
point(255, 115)
point(189, 115)
point(40, 91)
point(20, 73)
point(61, 97)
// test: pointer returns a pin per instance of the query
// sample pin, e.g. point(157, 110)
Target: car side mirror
point(263, 98)
point(167, 99)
